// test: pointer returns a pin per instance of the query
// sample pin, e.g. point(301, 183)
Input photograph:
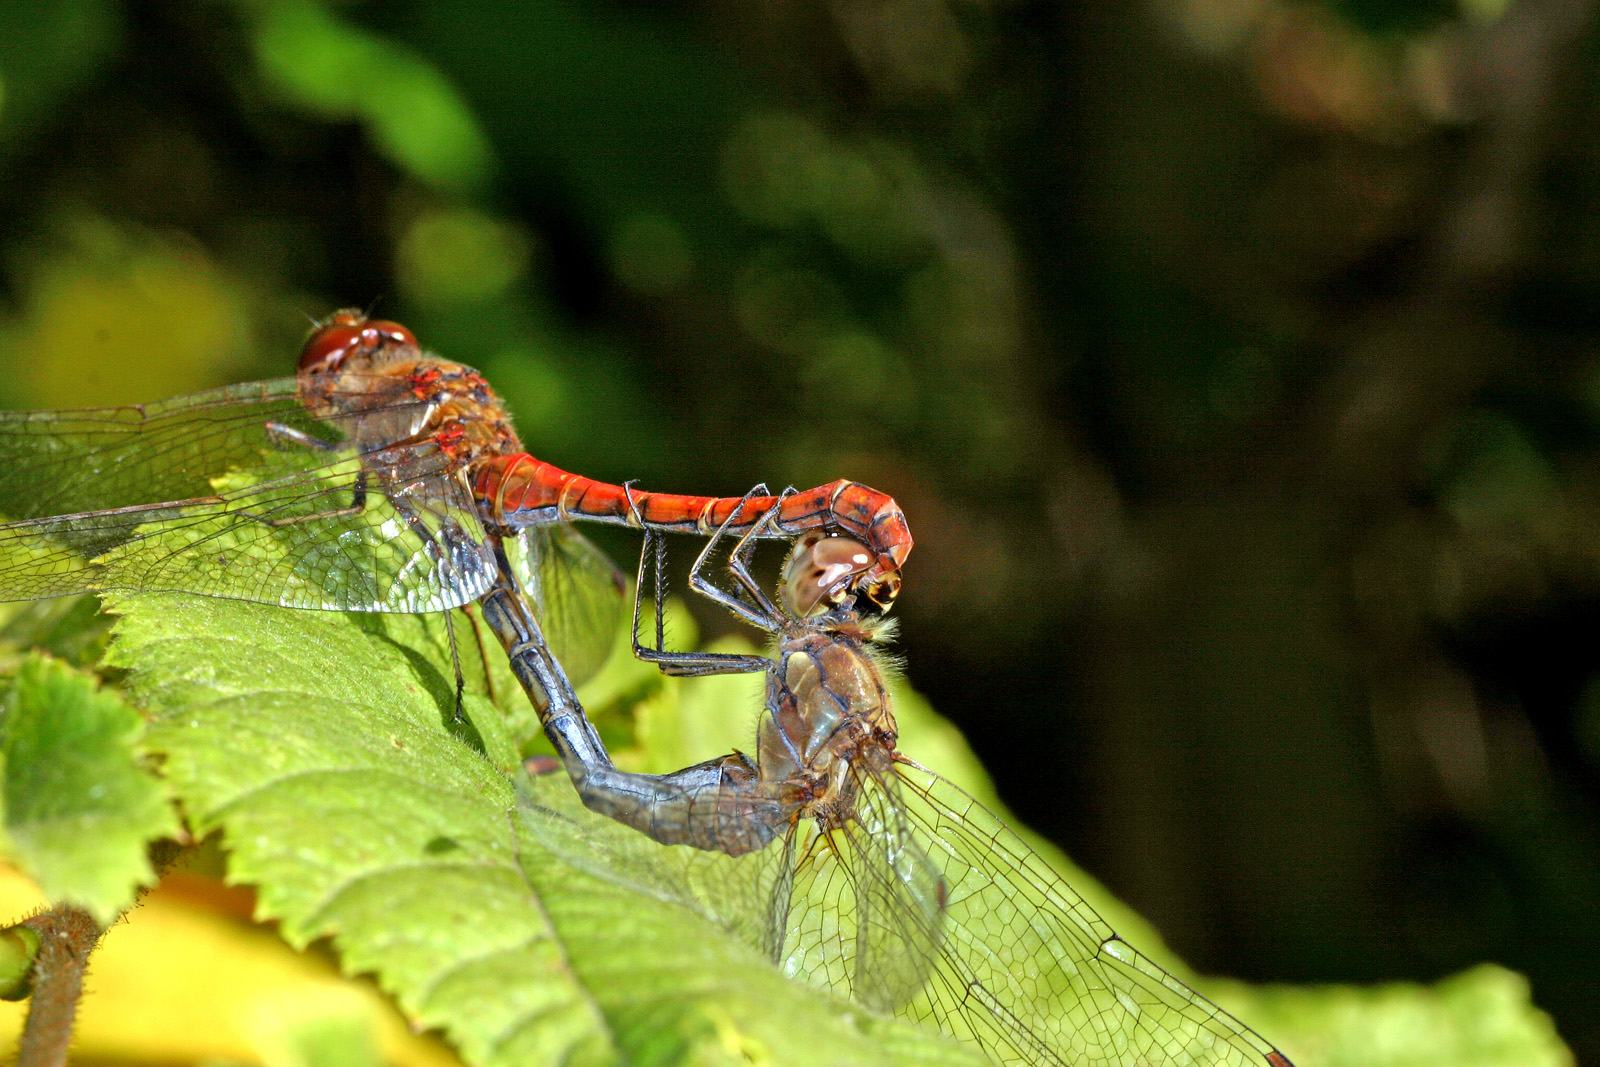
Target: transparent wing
point(1024, 966)
point(576, 591)
point(208, 494)
point(867, 909)
point(928, 906)
point(747, 895)
point(245, 544)
point(97, 459)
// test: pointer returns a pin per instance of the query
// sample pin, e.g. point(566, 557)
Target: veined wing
point(98, 459)
point(1025, 967)
point(576, 591)
point(246, 544)
point(748, 895)
point(199, 495)
point(867, 910)
point(926, 905)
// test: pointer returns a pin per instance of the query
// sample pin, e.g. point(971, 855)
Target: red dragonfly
point(379, 478)
point(857, 869)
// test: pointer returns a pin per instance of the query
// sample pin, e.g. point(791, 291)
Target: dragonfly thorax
point(377, 382)
point(827, 705)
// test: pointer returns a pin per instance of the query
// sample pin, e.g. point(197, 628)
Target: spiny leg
point(661, 592)
point(651, 538)
point(455, 661)
point(282, 432)
point(739, 560)
point(683, 664)
point(278, 522)
point(679, 664)
point(483, 653)
point(761, 616)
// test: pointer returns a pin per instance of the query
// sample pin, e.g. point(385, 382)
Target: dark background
point(1234, 360)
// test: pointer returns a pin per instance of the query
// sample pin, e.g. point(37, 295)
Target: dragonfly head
point(826, 571)
point(350, 333)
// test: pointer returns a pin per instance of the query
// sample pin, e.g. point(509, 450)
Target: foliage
point(322, 748)
point(80, 809)
point(185, 978)
point(344, 796)
point(1477, 1018)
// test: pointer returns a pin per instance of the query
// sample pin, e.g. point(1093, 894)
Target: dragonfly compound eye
point(821, 573)
point(347, 333)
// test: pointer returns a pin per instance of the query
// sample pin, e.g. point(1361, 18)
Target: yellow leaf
point(176, 983)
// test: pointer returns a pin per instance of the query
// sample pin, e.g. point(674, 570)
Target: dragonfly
point(855, 868)
point(380, 477)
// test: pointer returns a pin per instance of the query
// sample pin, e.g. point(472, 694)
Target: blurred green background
point(1235, 362)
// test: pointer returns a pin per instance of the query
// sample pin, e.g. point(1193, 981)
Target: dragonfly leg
point(762, 615)
point(679, 663)
point(483, 652)
point(281, 433)
point(358, 504)
point(455, 661)
point(739, 560)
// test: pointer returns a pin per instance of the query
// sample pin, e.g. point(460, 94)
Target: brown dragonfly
point(857, 869)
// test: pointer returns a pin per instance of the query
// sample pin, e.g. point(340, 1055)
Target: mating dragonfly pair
point(383, 478)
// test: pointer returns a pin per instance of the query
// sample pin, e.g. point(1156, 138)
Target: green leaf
point(72, 629)
point(80, 808)
point(322, 746)
point(1479, 1018)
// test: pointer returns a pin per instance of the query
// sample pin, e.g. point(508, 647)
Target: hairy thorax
point(402, 397)
point(830, 714)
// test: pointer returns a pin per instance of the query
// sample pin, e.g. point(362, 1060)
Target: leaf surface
point(80, 806)
point(322, 745)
